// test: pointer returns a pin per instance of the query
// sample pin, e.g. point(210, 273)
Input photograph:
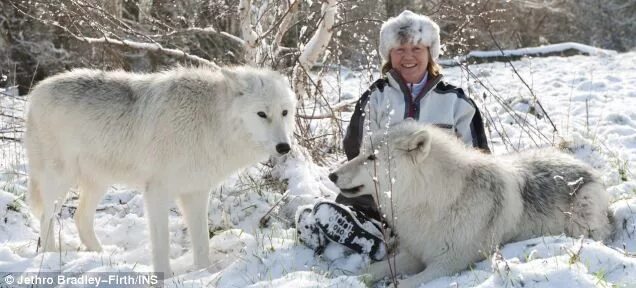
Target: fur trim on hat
point(409, 27)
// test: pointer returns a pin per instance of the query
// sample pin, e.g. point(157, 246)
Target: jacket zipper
point(411, 104)
point(411, 107)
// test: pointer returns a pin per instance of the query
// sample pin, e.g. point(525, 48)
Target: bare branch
point(285, 22)
point(206, 30)
point(356, 21)
point(320, 39)
point(316, 45)
point(149, 47)
point(316, 117)
point(334, 108)
point(128, 43)
point(12, 139)
point(521, 78)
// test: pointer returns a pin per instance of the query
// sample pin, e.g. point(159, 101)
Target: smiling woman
point(411, 87)
point(410, 61)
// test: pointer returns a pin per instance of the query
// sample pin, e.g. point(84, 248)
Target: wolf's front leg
point(157, 215)
point(404, 264)
point(194, 207)
point(433, 271)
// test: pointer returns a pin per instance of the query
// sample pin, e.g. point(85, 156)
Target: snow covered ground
point(590, 100)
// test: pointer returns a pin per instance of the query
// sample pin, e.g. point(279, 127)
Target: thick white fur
point(174, 134)
point(451, 205)
point(412, 28)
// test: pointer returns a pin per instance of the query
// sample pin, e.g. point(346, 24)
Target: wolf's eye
point(371, 157)
point(284, 113)
point(262, 114)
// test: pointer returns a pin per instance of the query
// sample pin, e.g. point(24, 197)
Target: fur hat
point(409, 27)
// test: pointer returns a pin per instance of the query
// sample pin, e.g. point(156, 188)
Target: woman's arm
point(367, 104)
point(469, 124)
point(464, 113)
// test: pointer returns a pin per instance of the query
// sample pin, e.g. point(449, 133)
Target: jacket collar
point(395, 80)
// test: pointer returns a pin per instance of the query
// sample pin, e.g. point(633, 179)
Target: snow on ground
point(590, 99)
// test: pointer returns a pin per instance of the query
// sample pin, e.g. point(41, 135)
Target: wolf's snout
point(333, 177)
point(282, 148)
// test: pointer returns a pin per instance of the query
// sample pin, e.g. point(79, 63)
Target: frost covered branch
point(148, 47)
point(122, 42)
point(286, 22)
point(320, 39)
point(207, 30)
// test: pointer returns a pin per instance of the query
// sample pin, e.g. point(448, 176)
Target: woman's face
point(410, 61)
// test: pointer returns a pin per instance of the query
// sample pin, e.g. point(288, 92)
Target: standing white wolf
point(451, 204)
point(172, 134)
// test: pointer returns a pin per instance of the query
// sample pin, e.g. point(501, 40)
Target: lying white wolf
point(172, 134)
point(451, 204)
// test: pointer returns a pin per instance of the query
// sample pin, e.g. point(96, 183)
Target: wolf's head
point(267, 107)
point(383, 159)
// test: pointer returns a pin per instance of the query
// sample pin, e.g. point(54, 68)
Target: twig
point(376, 184)
point(354, 21)
point(263, 221)
point(207, 30)
point(518, 75)
point(285, 24)
point(276, 25)
point(523, 124)
point(13, 139)
point(35, 71)
point(587, 115)
point(334, 108)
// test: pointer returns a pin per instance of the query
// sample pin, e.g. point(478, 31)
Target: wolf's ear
point(417, 145)
point(234, 80)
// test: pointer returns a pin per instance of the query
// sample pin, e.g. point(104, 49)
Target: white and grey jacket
point(389, 101)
